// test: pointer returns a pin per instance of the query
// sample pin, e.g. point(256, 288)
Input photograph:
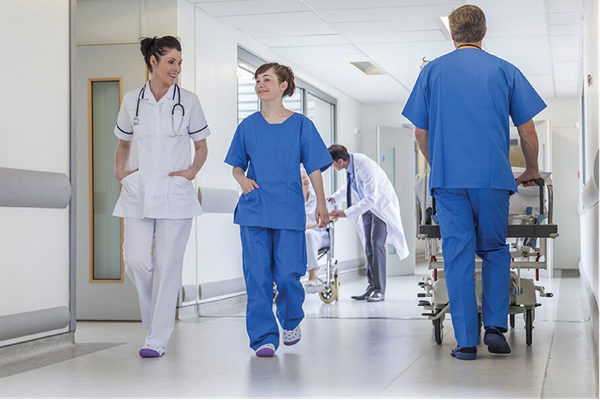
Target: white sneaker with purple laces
point(292, 337)
point(151, 351)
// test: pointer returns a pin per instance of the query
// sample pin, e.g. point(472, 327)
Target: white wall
point(34, 135)
point(589, 218)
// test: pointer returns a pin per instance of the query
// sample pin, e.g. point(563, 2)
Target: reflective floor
point(348, 349)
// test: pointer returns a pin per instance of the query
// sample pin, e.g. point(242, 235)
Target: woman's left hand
point(186, 173)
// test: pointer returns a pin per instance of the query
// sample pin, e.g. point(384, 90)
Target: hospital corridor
point(300, 199)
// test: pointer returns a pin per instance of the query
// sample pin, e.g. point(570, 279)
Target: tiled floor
point(348, 350)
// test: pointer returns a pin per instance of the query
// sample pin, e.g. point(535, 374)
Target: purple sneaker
point(266, 350)
point(292, 337)
point(151, 351)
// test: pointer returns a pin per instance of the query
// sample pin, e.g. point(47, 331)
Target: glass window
point(105, 229)
point(248, 102)
point(321, 113)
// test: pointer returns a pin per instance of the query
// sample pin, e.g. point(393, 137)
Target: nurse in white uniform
point(154, 164)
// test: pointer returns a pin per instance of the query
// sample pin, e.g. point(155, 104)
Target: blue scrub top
point(464, 99)
point(271, 154)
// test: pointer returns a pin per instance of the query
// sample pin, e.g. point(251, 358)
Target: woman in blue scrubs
point(266, 153)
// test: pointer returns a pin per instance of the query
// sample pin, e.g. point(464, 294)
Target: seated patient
point(316, 238)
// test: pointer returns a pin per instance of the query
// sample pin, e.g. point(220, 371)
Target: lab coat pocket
point(181, 195)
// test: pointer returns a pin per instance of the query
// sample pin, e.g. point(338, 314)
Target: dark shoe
point(366, 294)
point(495, 340)
point(376, 296)
point(464, 353)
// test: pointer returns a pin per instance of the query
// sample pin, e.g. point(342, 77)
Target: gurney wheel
point(529, 326)
point(438, 330)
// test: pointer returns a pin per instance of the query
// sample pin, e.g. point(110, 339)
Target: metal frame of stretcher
point(527, 235)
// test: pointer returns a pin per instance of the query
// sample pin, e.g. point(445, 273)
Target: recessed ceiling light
point(365, 68)
point(445, 25)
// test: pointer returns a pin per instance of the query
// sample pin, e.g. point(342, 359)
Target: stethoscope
point(136, 119)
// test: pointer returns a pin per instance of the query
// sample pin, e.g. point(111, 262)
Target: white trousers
point(315, 239)
point(156, 275)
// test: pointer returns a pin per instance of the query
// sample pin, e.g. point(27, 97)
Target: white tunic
point(157, 150)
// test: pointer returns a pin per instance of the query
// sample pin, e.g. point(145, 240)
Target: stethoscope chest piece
point(136, 120)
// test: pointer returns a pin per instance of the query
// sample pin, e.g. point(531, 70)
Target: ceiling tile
point(565, 18)
point(385, 14)
point(394, 37)
point(306, 40)
point(503, 20)
point(565, 53)
point(286, 24)
point(348, 4)
point(366, 27)
point(566, 40)
point(317, 50)
point(565, 6)
point(567, 29)
point(544, 85)
point(532, 59)
point(245, 7)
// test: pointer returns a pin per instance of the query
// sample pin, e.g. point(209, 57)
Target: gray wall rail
point(24, 188)
point(33, 322)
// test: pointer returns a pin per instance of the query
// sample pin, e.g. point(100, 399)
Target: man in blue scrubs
point(460, 106)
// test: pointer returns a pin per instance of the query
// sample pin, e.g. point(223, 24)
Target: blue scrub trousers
point(475, 221)
point(272, 255)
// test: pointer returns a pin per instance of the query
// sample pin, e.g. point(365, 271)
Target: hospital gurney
point(530, 225)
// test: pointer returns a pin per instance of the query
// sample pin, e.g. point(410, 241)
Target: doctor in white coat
point(372, 201)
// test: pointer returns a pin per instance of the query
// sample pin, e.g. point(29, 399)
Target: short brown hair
point(284, 74)
point(467, 24)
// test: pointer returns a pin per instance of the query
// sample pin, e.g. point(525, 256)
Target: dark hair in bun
point(157, 47)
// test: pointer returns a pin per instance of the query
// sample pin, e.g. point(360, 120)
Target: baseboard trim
point(32, 348)
point(235, 302)
point(592, 307)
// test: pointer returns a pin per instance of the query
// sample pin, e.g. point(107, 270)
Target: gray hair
point(467, 24)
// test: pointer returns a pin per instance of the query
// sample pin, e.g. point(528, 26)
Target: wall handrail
point(36, 189)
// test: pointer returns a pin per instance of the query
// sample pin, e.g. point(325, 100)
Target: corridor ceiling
point(541, 37)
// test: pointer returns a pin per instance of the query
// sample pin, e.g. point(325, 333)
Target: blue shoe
point(464, 353)
point(495, 340)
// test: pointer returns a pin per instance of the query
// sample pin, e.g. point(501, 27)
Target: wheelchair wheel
point(336, 283)
point(512, 320)
point(329, 294)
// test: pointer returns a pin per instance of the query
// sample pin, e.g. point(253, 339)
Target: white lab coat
point(379, 198)
point(156, 150)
